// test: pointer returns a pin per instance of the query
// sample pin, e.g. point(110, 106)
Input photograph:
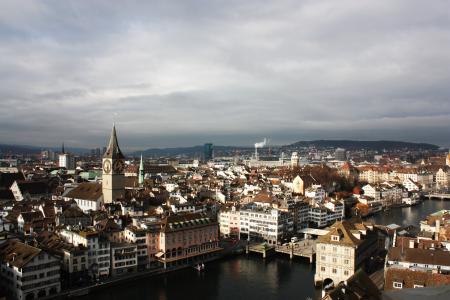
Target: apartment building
point(138, 236)
point(229, 220)
point(28, 272)
point(124, 258)
point(98, 248)
point(324, 214)
point(264, 223)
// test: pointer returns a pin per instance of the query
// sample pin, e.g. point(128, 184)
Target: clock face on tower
point(107, 166)
point(118, 166)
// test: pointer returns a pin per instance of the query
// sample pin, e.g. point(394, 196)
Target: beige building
point(442, 177)
point(187, 238)
point(229, 220)
point(341, 252)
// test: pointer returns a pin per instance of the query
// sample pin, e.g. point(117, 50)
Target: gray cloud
point(185, 72)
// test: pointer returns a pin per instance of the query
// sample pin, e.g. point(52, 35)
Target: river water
point(249, 277)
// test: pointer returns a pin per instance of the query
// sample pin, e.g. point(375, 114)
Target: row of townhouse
point(385, 194)
point(270, 224)
point(98, 248)
point(426, 178)
point(408, 266)
point(173, 240)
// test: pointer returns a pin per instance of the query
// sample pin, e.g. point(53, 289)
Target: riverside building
point(342, 251)
point(27, 272)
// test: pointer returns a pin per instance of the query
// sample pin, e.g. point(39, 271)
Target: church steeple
point(113, 151)
point(62, 149)
point(113, 186)
point(141, 172)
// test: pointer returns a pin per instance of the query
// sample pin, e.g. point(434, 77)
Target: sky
point(182, 73)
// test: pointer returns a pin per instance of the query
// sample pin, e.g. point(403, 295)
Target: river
point(249, 277)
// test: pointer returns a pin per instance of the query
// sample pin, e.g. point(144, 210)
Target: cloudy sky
point(181, 73)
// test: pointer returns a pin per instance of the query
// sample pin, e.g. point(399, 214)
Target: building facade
point(27, 272)
point(187, 238)
point(341, 252)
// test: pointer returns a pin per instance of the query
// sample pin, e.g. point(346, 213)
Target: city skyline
point(230, 73)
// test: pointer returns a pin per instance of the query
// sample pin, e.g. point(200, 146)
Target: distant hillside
point(18, 149)
point(194, 151)
point(26, 149)
point(355, 145)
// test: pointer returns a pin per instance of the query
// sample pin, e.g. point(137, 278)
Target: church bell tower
point(113, 171)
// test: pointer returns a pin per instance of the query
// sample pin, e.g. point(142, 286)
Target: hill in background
point(369, 145)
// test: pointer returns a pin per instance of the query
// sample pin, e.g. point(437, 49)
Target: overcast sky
point(181, 73)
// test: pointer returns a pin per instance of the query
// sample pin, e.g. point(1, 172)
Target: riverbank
point(117, 281)
point(409, 215)
point(229, 250)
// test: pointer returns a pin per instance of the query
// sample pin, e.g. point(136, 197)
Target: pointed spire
point(113, 150)
point(62, 149)
point(141, 172)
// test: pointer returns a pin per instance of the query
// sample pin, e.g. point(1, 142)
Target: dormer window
point(397, 285)
point(335, 238)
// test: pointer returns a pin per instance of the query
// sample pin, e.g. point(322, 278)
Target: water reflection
point(410, 215)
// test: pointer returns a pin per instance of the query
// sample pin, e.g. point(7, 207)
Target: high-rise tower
point(113, 171)
point(66, 160)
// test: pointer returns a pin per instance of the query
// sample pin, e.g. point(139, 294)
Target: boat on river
point(200, 267)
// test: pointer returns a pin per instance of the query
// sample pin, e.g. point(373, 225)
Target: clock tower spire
point(113, 170)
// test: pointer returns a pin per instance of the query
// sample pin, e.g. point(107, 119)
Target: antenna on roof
point(115, 114)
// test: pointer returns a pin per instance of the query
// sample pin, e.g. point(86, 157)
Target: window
point(334, 259)
point(397, 285)
point(345, 272)
point(322, 269)
point(322, 258)
point(334, 249)
point(334, 271)
point(346, 261)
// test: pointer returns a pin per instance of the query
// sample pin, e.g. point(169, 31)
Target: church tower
point(113, 171)
point(141, 172)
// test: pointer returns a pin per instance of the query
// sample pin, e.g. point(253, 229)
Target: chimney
point(394, 238)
